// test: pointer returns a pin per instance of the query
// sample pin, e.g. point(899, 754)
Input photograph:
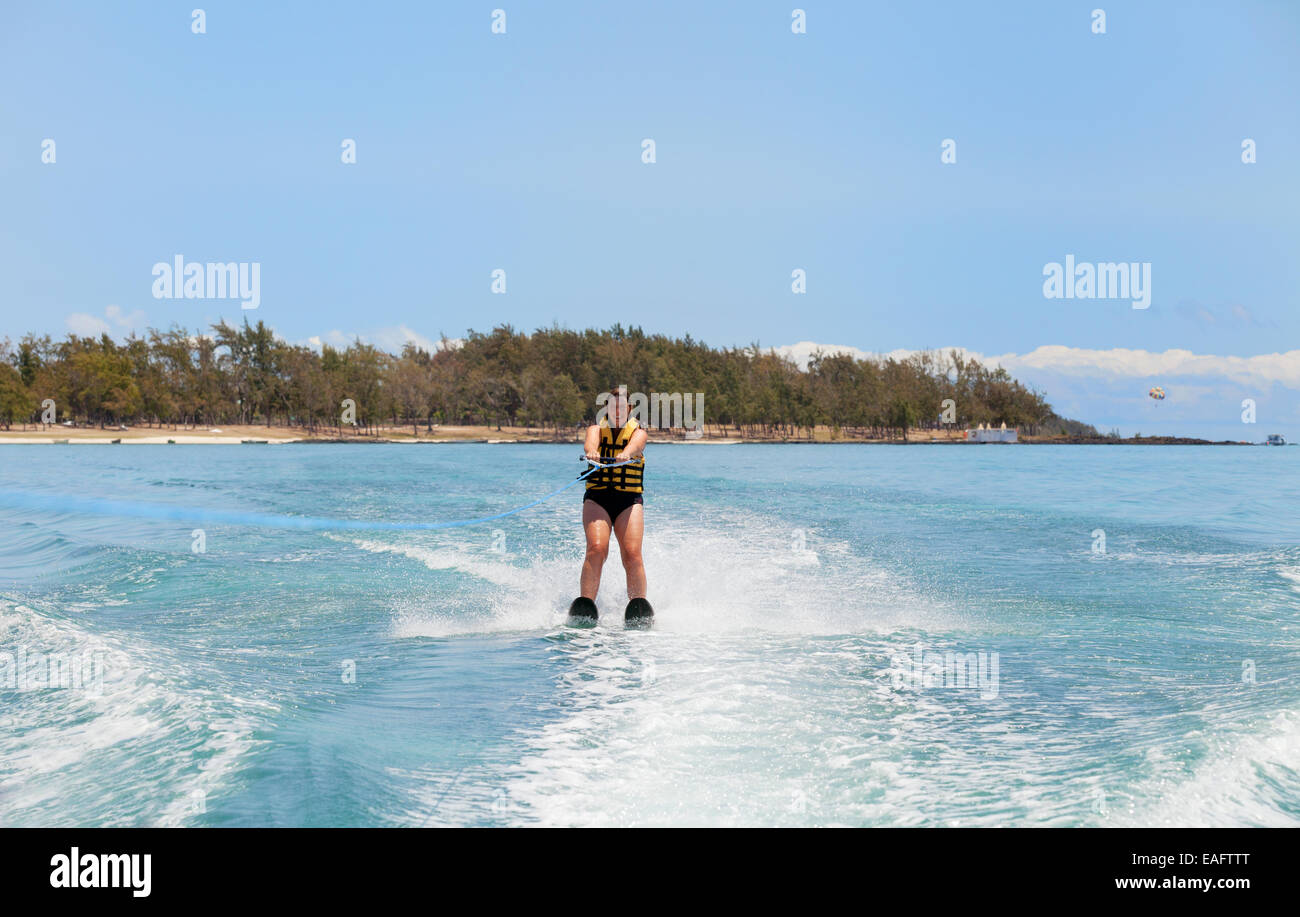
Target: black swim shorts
point(612, 501)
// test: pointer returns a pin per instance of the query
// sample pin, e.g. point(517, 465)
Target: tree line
point(548, 379)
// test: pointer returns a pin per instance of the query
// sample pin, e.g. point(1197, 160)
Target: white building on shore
point(982, 434)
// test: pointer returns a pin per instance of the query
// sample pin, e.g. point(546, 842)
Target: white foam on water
point(763, 696)
point(719, 729)
point(449, 557)
point(1250, 780)
point(134, 749)
point(701, 580)
point(725, 713)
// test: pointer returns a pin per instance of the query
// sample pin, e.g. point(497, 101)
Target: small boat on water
point(253, 442)
point(1275, 439)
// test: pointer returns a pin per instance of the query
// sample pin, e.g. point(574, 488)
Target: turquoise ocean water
point(856, 635)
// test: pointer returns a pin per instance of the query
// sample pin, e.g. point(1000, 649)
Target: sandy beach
point(237, 435)
point(277, 435)
point(258, 433)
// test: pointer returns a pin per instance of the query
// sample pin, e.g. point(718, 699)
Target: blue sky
point(775, 151)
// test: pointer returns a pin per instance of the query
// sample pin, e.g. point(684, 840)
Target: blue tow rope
point(62, 504)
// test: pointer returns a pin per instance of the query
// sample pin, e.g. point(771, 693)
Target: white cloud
point(135, 320)
point(333, 338)
point(87, 325)
point(1115, 363)
point(84, 324)
point(391, 339)
point(802, 352)
point(1262, 369)
point(394, 339)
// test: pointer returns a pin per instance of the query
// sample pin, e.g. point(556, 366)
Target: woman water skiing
point(614, 501)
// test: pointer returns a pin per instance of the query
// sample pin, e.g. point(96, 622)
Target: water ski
point(582, 611)
point(638, 614)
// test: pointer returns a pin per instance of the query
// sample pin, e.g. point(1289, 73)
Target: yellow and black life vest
point(627, 478)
